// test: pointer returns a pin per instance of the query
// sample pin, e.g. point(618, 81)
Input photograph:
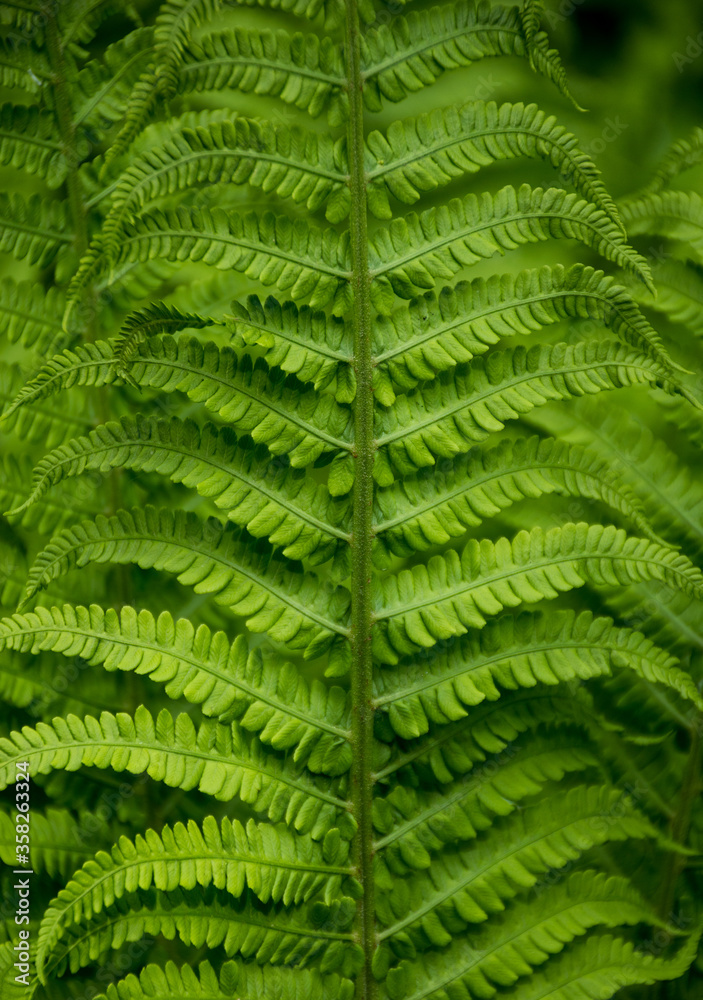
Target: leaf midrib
point(494, 389)
point(284, 598)
point(527, 840)
point(209, 757)
point(322, 526)
point(368, 73)
point(500, 307)
point(141, 644)
point(541, 563)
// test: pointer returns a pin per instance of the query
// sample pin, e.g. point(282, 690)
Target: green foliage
point(300, 428)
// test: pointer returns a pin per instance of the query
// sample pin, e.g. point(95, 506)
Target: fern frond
point(293, 163)
point(681, 156)
point(468, 884)
point(280, 504)
point(427, 509)
point(218, 760)
point(526, 938)
point(53, 425)
point(155, 983)
point(452, 593)
point(601, 966)
point(174, 23)
point(416, 824)
point(417, 250)
point(519, 652)
point(222, 677)
point(228, 856)
point(463, 407)
point(89, 364)
point(60, 841)
point(33, 229)
point(414, 50)
point(21, 13)
point(14, 72)
point(677, 215)
point(210, 918)
point(29, 142)
point(450, 751)
point(422, 154)
point(304, 70)
point(50, 513)
point(439, 331)
point(308, 262)
point(154, 319)
point(81, 19)
point(251, 399)
point(273, 595)
point(29, 315)
point(12, 990)
point(103, 87)
point(310, 345)
point(669, 491)
point(679, 293)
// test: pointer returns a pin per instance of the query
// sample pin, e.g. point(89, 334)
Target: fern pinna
point(313, 416)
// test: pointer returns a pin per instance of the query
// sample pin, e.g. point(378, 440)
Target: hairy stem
point(362, 527)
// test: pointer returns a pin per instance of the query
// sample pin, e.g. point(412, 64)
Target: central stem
point(362, 525)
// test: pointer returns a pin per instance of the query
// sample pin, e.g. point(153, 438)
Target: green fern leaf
point(240, 391)
point(308, 262)
point(218, 760)
point(526, 938)
point(223, 678)
point(308, 344)
point(280, 504)
point(681, 157)
point(466, 885)
point(210, 918)
point(513, 653)
point(412, 51)
point(602, 966)
point(430, 509)
point(441, 330)
point(423, 154)
point(301, 69)
point(453, 593)
point(155, 983)
point(29, 315)
point(274, 596)
point(416, 824)
point(32, 229)
point(679, 293)
point(464, 406)
point(60, 842)
point(228, 856)
point(417, 250)
point(28, 141)
point(677, 215)
point(294, 164)
point(45, 422)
